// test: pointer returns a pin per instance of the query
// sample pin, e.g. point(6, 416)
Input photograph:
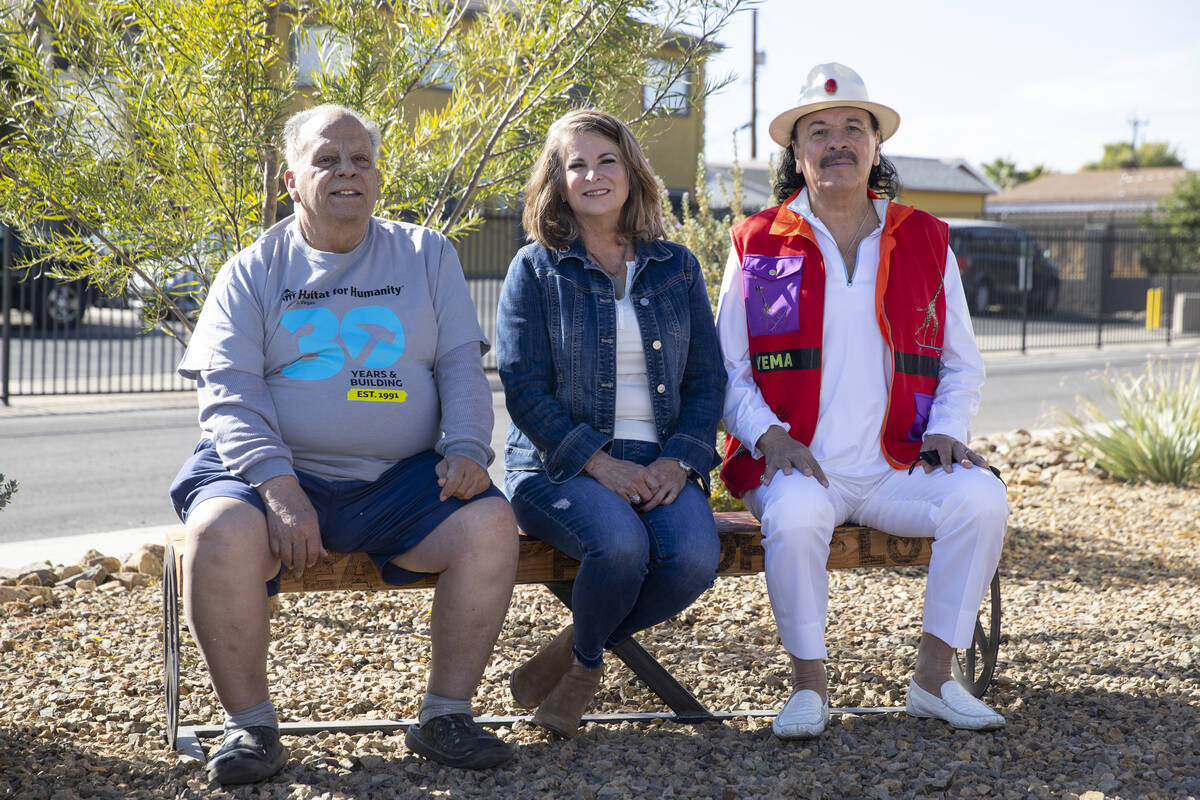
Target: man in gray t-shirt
point(343, 407)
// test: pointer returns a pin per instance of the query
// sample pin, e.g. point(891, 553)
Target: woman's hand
point(635, 483)
point(671, 478)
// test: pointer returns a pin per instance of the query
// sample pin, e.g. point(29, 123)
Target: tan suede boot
point(533, 680)
point(562, 710)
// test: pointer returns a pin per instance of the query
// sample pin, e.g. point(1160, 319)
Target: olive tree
point(139, 138)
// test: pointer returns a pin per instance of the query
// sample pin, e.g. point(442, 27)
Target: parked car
point(1001, 266)
point(186, 290)
point(54, 303)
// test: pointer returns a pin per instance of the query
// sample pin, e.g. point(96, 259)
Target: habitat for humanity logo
point(311, 295)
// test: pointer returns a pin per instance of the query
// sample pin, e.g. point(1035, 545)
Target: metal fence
point(1115, 287)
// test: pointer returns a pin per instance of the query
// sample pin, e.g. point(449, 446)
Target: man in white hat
point(849, 349)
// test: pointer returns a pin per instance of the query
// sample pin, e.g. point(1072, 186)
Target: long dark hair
point(883, 179)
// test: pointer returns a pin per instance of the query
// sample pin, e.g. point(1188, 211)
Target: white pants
point(965, 512)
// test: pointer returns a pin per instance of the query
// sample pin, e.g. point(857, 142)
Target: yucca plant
point(1156, 435)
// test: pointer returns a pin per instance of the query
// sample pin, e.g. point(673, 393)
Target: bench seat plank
point(852, 547)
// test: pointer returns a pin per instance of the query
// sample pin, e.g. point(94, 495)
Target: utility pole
point(754, 54)
point(1135, 123)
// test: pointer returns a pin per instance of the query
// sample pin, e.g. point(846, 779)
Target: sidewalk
point(69, 549)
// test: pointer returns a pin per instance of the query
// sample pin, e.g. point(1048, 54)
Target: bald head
point(294, 129)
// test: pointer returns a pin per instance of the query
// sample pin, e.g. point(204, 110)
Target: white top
point(855, 363)
point(634, 414)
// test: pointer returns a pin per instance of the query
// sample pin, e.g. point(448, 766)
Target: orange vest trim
point(783, 275)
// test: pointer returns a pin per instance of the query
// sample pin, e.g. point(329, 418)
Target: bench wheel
point(975, 666)
point(171, 644)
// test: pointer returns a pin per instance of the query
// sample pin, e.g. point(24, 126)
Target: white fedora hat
point(830, 86)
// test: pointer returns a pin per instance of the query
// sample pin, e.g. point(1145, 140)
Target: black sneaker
point(456, 741)
point(247, 755)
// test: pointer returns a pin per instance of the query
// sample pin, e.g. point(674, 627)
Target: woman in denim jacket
point(614, 382)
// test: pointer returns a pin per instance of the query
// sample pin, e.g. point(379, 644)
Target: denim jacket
point(556, 351)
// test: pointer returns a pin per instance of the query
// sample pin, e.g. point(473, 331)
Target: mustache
point(826, 160)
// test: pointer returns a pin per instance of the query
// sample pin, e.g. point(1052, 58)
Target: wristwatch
point(687, 471)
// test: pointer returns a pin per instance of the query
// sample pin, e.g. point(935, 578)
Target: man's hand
point(782, 452)
point(292, 530)
point(460, 477)
point(950, 450)
point(634, 483)
point(671, 476)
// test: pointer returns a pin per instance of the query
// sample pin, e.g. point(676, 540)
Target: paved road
point(102, 463)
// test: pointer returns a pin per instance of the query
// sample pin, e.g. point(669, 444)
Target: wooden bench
point(852, 547)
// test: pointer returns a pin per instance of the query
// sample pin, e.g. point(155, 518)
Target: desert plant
point(148, 130)
point(702, 231)
point(721, 499)
point(7, 490)
point(1156, 435)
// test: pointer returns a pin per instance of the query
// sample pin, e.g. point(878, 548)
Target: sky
point(1034, 81)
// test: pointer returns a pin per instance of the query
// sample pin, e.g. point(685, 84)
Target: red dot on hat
point(830, 86)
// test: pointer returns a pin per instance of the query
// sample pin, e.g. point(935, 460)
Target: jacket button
point(773, 271)
point(656, 344)
point(644, 301)
point(661, 389)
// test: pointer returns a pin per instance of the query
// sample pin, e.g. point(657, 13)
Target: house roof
point(1091, 190)
point(942, 175)
point(951, 175)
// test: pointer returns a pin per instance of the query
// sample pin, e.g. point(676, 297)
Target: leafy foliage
point(705, 234)
point(720, 499)
point(7, 490)
point(1156, 436)
point(1120, 155)
point(139, 138)
point(1172, 243)
point(1006, 175)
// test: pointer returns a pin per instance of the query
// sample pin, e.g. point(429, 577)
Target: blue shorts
point(383, 518)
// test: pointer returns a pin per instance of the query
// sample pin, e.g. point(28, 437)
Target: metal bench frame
point(853, 547)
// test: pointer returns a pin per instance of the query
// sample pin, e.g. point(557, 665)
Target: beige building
point(1116, 196)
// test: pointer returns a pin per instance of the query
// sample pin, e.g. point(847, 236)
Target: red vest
point(784, 279)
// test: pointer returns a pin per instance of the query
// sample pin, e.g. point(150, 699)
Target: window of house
point(317, 49)
point(440, 73)
point(661, 75)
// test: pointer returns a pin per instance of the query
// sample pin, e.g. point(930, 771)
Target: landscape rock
point(11, 593)
point(148, 560)
point(1097, 677)
point(94, 575)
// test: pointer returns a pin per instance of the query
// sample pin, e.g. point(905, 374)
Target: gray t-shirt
point(345, 343)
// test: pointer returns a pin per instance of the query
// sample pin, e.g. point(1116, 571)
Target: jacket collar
point(654, 250)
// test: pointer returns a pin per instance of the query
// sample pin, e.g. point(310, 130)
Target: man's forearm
point(466, 399)
point(237, 413)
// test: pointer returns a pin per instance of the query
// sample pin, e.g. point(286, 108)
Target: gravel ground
point(1099, 679)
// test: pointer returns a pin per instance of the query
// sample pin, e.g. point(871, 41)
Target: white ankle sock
point(435, 706)
point(262, 714)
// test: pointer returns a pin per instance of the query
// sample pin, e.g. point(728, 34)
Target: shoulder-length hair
point(883, 178)
point(547, 217)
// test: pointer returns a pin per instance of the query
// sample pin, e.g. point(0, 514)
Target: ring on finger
point(635, 498)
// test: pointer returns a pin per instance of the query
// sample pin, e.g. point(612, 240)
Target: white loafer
point(803, 716)
point(956, 706)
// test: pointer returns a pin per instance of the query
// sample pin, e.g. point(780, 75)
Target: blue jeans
point(635, 569)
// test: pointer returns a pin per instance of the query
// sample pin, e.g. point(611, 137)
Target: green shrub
point(7, 490)
point(721, 499)
point(1156, 436)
